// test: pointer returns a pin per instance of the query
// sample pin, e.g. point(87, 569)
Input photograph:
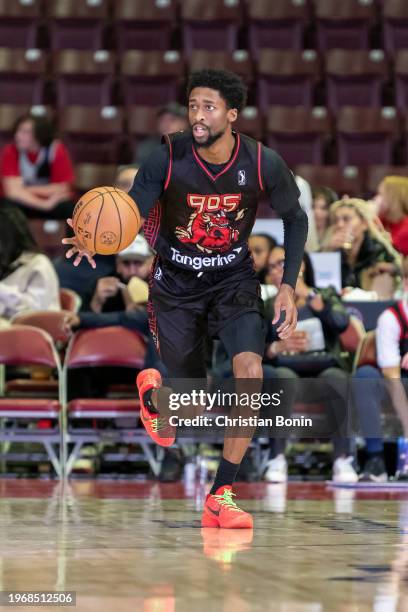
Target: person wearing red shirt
point(36, 172)
point(392, 201)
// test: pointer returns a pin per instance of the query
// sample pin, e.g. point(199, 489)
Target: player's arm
point(280, 185)
point(147, 188)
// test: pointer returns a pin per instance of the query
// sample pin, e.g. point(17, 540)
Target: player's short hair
point(229, 85)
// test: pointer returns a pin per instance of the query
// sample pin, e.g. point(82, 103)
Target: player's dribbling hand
point(285, 300)
point(78, 249)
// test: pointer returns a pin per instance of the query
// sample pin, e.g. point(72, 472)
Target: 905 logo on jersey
point(211, 203)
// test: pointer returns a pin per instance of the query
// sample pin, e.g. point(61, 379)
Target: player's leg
point(244, 340)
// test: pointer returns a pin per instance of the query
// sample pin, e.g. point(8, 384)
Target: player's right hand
point(78, 249)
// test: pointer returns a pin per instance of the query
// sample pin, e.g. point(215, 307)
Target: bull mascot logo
point(210, 231)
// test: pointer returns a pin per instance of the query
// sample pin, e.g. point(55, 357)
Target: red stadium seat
point(151, 77)
point(22, 345)
point(251, 122)
point(22, 78)
point(287, 78)
point(142, 123)
point(83, 77)
point(144, 25)
point(53, 322)
point(93, 134)
point(345, 24)
point(375, 175)
point(109, 346)
point(401, 81)
point(210, 25)
point(276, 25)
point(238, 62)
point(69, 300)
point(48, 235)
point(89, 175)
point(299, 135)
point(344, 181)
point(395, 19)
point(355, 78)
point(75, 24)
point(19, 23)
point(366, 136)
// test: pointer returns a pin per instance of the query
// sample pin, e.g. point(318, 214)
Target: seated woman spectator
point(392, 202)
point(36, 171)
point(323, 198)
point(27, 279)
point(313, 350)
point(368, 258)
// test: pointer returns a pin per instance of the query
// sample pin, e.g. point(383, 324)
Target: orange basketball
point(106, 220)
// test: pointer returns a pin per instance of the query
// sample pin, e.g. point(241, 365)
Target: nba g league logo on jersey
point(241, 178)
point(210, 225)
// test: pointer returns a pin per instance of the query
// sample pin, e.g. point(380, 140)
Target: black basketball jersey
point(202, 221)
point(399, 312)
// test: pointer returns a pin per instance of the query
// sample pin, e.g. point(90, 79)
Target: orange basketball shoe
point(158, 428)
point(220, 510)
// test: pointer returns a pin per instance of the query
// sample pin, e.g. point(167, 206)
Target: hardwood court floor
point(126, 546)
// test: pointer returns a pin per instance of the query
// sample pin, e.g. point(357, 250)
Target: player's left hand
point(285, 300)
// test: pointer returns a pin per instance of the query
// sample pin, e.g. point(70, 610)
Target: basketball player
point(198, 194)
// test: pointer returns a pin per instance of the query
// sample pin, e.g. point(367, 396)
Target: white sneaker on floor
point(277, 469)
point(343, 470)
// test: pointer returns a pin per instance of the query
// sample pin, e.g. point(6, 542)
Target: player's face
point(208, 115)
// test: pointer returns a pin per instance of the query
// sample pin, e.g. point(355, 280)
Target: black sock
point(225, 475)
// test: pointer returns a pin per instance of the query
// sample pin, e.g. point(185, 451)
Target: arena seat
point(83, 77)
point(74, 24)
point(48, 235)
point(355, 78)
point(366, 136)
point(144, 25)
point(395, 24)
point(53, 322)
point(401, 81)
point(251, 122)
point(349, 180)
point(375, 175)
point(210, 25)
point(298, 134)
point(344, 25)
point(276, 25)
point(22, 345)
point(108, 346)
point(22, 79)
point(19, 23)
point(239, 62)
point(69, 300)
point(286, 78)
point(93, 134)
point(89, 175)
point(142, 123)
point(148, 76)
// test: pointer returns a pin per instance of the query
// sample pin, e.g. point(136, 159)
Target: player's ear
point(232, 115)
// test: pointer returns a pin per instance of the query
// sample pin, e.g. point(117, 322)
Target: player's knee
point(248, 367)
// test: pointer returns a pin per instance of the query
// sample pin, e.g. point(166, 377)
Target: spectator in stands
point(392, 203)
point(36, 171)
point(27, 278)
point(370, 392)
point(260, 246)
point(125, 176)
point(306, 202)
point(171, 118)
point(111, 292)
point(369, 260)
point(313, 350)
point(323, 198)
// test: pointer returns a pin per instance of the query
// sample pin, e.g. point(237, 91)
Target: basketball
point(106, 220)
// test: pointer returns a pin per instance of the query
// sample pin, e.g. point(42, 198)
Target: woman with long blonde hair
point(369, 260)
point(392, 203)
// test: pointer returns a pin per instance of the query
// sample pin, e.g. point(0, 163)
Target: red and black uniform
point(198, 218)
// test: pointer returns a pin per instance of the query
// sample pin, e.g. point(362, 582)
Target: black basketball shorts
point(186, 308)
